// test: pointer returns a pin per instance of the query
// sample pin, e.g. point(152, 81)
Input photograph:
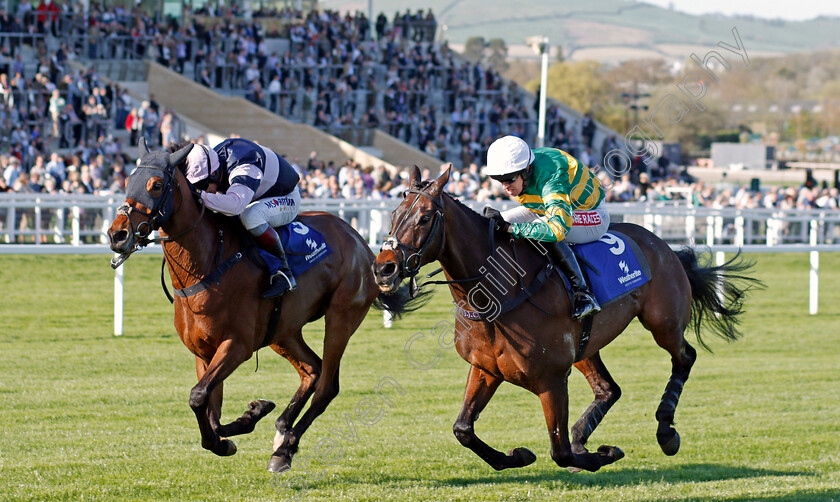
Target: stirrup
point(585, 304)
point(282, 282)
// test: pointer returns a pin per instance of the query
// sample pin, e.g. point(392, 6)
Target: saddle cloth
point(614, 265)
point(304, 247)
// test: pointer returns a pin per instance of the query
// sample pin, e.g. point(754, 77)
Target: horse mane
point(482, 222)
point(474, 216)
point(470, 212)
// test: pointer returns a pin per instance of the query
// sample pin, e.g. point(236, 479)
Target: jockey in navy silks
point(250, 181)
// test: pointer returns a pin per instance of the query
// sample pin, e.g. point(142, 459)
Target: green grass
point(87, 416)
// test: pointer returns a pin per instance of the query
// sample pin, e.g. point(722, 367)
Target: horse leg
point(479, 390)
point(555, 402)
point(214, 406)
point(682, 359)
point(242, 425)
point(666, 313)
point(308, 365)
point(606, 393)
point(245, 424)
point(341, 321)
point(227, 358)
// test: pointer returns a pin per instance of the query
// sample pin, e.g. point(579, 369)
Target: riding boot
point(584, 301)
point(282, 281)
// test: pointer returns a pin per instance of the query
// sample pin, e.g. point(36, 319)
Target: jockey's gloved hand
point(495, 215)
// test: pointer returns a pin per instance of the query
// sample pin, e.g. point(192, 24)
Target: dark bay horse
point(223, 320)
point(535, 344)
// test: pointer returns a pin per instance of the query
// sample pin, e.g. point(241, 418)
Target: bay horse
point(535, 344)
point(220, 315)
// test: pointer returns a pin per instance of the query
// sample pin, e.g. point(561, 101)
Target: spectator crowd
point(63, 129)
point(351, 180)
point(347, 77)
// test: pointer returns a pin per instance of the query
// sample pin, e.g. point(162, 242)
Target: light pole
point(540, 45)
point(631, 102)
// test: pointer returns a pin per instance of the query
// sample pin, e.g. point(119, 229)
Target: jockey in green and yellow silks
point(557, 185)
point(561, 203)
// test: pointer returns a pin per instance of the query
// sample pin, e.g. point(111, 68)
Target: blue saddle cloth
point(304, 247)
point(614, 265)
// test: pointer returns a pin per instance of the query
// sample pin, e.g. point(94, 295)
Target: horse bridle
point(407, 263)
point(161, 207)
point(159, 211)
point(410, 257)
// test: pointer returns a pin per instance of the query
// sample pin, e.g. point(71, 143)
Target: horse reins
point(393, 243)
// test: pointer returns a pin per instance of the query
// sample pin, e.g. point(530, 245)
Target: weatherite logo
point(316, 251)
point(628, 276)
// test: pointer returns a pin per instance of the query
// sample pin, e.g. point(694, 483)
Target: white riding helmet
point(508, 155)
point(202, 161)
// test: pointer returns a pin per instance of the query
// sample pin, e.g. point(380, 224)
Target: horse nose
point(385, 271)
point(118, 240)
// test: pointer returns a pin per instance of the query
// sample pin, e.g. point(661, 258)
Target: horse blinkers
point(152, 187)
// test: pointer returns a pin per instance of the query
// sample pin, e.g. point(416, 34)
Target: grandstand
point(336, 73)
point(350, 101)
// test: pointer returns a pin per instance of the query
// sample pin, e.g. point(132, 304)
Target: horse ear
point(414, 177)
point(175, 159)
point(141, 144)
point(441, 181)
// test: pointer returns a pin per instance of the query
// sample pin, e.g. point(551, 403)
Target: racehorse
point(219, 313)
point(535, 344)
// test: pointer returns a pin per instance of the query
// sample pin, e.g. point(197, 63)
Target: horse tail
point(400, 301)
point(717, 293)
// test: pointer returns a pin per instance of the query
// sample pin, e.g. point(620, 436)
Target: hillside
point(612, 30)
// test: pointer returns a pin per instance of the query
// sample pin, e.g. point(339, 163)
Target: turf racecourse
point(87, 416)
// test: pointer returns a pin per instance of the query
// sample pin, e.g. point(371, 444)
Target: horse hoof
point(261, 407)
point(613, 453)
point(227, 448)
point(278, 464)
point(522, 457)
point(574, 470)
point(670, 446)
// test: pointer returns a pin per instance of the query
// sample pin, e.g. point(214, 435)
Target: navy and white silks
point(262, 186)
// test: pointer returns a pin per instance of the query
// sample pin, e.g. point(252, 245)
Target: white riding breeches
point(588, 225)
point(271, 211)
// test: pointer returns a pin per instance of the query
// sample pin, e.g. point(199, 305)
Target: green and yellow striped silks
point(557, 185)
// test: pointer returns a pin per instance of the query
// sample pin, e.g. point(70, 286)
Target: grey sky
point(794, 11)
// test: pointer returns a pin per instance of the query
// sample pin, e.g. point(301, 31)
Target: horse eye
point(425, 219)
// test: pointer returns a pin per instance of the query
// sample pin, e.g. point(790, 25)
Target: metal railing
point(122, 70)
point(371, 218)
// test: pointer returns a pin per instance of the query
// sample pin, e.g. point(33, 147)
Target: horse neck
point(193, 254)
point(467, 245)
